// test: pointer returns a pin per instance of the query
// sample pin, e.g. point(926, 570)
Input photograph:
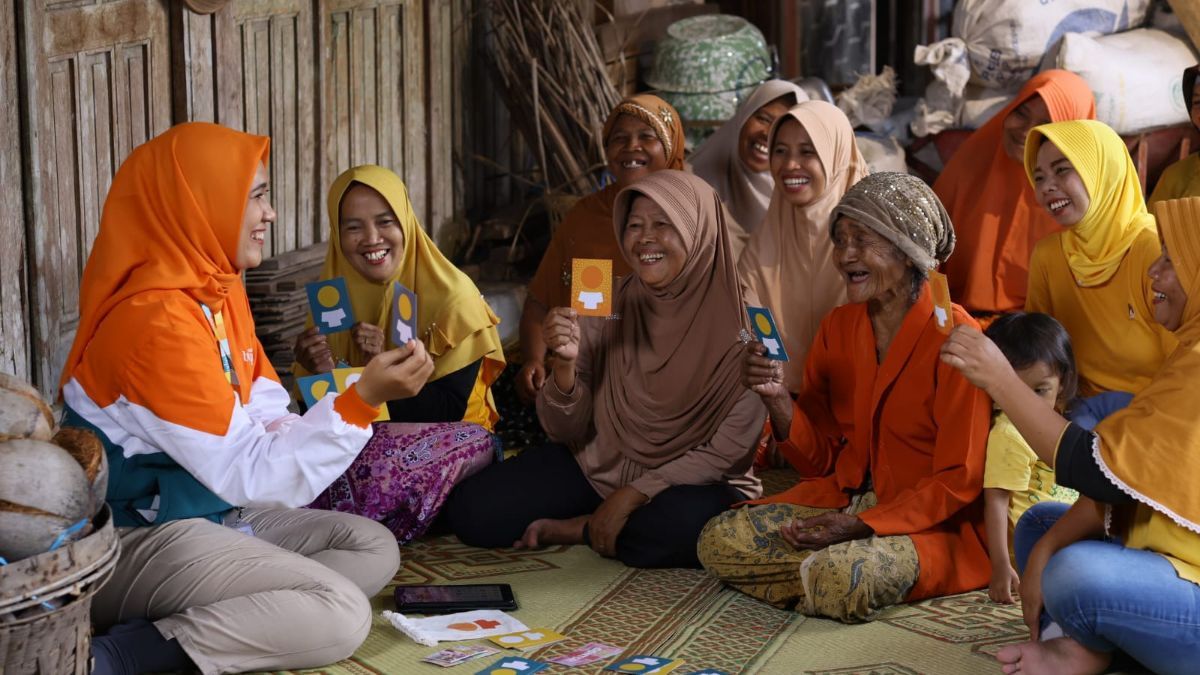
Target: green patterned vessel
point(706, 66)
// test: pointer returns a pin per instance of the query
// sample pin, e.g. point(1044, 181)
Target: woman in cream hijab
point(735, 160)
point(789, 260)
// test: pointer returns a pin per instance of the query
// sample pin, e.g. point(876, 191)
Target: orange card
point(591, 286)
point(344, 377)
point(943, 313)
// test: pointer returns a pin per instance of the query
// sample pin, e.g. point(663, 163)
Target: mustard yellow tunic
point(1181, 179)
point(1118, 345)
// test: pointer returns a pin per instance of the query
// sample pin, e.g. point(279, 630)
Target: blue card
point(764, 328)
point(513, 665)
point(315, 387)
point(404, 315)
point(330, 305)
point(644, 664)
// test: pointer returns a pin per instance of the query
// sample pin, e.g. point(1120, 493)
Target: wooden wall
point(333, 83)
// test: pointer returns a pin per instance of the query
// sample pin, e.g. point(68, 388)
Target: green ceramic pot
point(706, 66)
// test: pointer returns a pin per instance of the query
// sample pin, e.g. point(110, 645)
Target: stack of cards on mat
point(589, 653)
point(513, 665)
point(453, 656)
point(316, 387)
point(591, 286)
point(764, 329)
point(404, 315)
point(645, 665)
point(330, 305)
point(430, 630)
point(534, 637)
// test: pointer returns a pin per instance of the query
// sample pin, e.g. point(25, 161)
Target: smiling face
point(754, 136)
point(652, 244)
point(873, 268)
point(1059, 187)
point(1168, 297)
point(257, 217)
point(1028, 115)
point(370, 235)
point(1044, 382)
point(633, 150)
point(795, 164)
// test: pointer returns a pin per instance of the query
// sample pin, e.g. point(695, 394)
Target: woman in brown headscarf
point(643, 134)
point(789, 260)
point(654, 431)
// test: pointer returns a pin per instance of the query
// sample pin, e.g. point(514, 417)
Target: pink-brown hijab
point(672, 361)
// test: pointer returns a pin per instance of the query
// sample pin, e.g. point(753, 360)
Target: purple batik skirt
point(405, 472)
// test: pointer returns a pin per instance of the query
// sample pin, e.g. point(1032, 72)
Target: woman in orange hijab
point(985, 190)
point(218, 571)
point(1120, 570)
point(643, 134)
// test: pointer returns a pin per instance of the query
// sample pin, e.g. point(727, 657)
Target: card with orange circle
point(404, 315)
point(591, 286)
point(764, 328)
point(330, 305)
point(943, 313)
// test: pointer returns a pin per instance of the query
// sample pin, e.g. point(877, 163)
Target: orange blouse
point(912, 428)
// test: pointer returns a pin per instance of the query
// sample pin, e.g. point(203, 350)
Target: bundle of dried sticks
point(555, 86)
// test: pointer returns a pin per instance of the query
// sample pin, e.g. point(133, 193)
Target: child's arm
point(1005, 581)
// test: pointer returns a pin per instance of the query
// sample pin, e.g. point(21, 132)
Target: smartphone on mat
point(450, 598)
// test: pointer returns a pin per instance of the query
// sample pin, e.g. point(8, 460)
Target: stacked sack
point(997, 45)
point(51, 484)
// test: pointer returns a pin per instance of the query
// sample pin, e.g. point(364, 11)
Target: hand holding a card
point(764, 376)
point(313, 352)
point(560, 330)
point(369, 338)
point(979, 360)
point(395, 374)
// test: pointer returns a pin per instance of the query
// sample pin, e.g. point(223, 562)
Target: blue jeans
point(1108, 597)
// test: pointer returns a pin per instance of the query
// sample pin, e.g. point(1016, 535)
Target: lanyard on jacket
point(217, 323)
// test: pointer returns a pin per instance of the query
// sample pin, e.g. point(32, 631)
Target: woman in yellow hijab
point(376, 241)
point(1120, 570)
point(1092, 276)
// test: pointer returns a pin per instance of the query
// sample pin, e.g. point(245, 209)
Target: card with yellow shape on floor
point(943, 313)
point(404, 315)
point(344, 377)
point(528, 638)
point(591, 286)
point(316, 387)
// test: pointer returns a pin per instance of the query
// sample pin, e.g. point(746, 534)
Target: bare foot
point(1060, 656)
point(547, 531)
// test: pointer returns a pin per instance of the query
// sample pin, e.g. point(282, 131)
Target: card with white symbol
point(763, 325)
point(452, 656)
point(316, 387)
point(329, 303)
point(644, 664)
point(591, 286)
point(589, 653)
point(404, 315)
point(344, 377)
point(513, 666)
point(528, 638)
point(943, 313)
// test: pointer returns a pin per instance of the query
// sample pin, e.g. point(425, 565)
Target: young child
point(1039, 349)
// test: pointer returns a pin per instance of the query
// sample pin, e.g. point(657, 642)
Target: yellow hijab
point(456, 325)
point(1151, 449)
point(1117, 212)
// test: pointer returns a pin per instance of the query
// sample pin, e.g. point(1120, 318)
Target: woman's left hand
point(976, 357)
point(824, 530)
point(608, 520)
point(369, 338)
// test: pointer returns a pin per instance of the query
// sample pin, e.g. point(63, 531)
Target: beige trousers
point(294, 595)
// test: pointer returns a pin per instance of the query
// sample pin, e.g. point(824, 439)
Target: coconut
point(43, 490)
point(87, 449)
point(23, 413)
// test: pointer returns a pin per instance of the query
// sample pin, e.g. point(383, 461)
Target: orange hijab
point(172, 220)
point(1151, 449)
point(995, 213)
point(662, 118)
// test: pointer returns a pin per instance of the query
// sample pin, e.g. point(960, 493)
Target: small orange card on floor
point(591, 286)
point(943, 313)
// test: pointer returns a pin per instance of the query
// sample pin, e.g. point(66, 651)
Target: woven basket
point(46, 601)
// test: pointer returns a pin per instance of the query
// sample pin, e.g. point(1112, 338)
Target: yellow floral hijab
point(456, 325)
point(1117, 213)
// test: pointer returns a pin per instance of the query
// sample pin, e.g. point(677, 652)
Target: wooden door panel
point(14, 309)
point(98, 85)
point(274, 57)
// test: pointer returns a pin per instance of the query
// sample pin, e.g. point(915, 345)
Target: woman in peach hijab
point(996, 216)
